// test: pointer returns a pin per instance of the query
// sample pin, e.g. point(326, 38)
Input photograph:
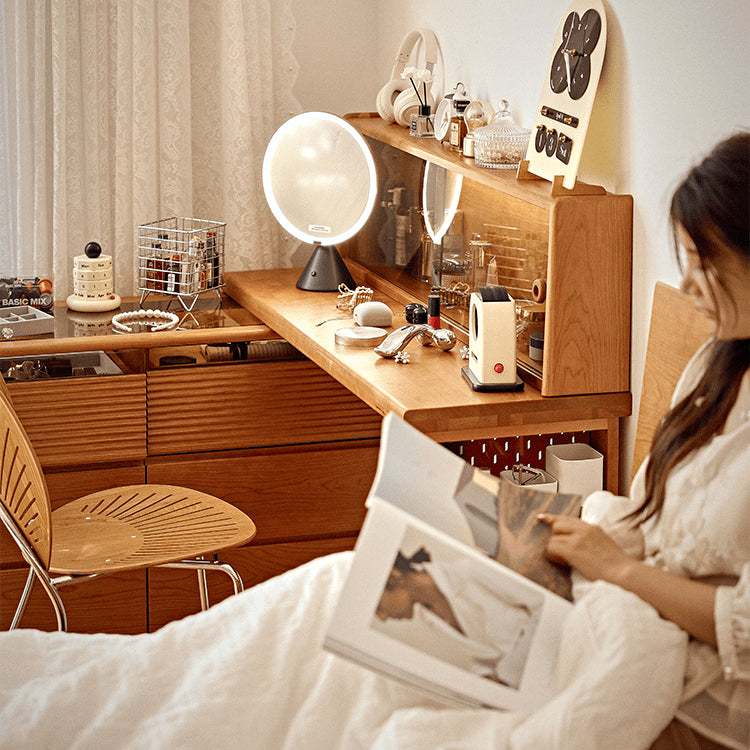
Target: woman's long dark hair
point(712, 205)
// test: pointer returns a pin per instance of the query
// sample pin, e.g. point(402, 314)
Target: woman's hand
point(585, 547)
point(593, 552)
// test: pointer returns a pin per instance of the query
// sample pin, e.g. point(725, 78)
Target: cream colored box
point(578, 468)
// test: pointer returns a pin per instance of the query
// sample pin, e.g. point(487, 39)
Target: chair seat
point(138, 526)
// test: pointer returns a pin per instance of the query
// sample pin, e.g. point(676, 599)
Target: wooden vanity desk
point(429, 392)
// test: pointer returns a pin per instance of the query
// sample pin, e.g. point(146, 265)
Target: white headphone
point(397, 100)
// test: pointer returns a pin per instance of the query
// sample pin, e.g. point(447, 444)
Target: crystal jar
point(501, 144)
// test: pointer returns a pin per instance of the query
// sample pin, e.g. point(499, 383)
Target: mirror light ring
point(294, 230)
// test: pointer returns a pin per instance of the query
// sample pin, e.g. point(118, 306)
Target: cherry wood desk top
point(429, 392)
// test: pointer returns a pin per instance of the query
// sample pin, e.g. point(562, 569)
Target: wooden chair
point(676, 332)
point(124, 528)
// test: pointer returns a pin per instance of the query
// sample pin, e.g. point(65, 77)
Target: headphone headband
point(429, 41)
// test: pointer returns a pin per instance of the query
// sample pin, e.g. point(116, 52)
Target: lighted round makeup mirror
point(320, 183)
point(441, 191)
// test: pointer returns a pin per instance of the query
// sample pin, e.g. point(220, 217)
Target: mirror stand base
point(325, 271)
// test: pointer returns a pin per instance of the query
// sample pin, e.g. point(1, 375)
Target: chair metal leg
point(232, 573)
point(203, 589)
point(202, 566)
point(24, 599)
point(52, 593)
point(36, 570)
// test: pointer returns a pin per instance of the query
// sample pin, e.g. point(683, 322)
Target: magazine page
point(424, 608)
point(522, 539)
point(420, 476)
point(423, 478)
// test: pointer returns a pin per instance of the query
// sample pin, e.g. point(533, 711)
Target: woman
point(692, 496)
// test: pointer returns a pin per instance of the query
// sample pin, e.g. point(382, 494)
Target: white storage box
point(578, 468)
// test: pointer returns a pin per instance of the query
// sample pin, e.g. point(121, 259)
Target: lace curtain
point(116, 113)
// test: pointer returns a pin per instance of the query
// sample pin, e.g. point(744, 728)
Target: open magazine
point(449, 588)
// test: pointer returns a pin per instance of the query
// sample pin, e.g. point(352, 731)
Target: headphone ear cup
point(387, 97)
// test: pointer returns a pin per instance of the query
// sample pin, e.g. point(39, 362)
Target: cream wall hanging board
point(568, 93)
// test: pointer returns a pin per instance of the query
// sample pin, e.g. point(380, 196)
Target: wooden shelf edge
point(523, 185)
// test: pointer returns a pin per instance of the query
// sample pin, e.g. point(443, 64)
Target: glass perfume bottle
point(458, 130)
point(422, 123)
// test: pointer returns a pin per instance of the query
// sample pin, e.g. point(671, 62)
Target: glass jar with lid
point(501, 144)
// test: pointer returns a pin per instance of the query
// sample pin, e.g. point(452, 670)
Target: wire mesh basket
point(181, 256)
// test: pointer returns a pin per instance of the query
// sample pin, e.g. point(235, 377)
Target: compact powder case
point(360, 336)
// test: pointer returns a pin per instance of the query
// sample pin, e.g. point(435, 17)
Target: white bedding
point(250, 673)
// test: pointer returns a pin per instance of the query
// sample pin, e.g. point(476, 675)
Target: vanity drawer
point(89, 420)
point(292, 493)
point(114, 604)
point(249, 404)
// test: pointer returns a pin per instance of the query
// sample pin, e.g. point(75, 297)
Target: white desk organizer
point(544, 483)
point(492, 341)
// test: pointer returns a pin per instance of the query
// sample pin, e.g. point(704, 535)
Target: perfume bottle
point(457, 130)
point(422, 123)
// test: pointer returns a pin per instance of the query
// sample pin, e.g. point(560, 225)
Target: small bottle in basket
point(196, 267)
point(212, 256)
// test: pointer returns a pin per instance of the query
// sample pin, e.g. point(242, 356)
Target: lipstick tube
point(433, 311)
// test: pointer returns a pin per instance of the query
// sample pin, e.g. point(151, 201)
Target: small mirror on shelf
point(441, 191)
point(320, 182)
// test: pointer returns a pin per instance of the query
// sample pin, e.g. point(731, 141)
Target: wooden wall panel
point(242, 405)
point(666, 358)
point(84, 420)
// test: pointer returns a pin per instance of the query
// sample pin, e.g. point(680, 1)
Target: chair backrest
point(23, 489)
point(676, 332)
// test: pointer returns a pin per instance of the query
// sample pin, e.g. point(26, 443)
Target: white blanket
point(251, 673)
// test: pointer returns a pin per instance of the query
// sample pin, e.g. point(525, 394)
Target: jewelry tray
point(24, 320)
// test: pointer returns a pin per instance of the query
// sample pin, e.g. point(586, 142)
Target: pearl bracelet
point(138, 321)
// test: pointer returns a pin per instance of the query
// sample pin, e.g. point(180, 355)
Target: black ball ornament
point(93, 250)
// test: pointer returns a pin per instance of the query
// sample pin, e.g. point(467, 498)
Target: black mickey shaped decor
point(571, 65)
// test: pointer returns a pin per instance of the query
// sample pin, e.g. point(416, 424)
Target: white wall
point(674, 83)
point(335, 46)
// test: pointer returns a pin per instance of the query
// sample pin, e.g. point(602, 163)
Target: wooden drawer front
point(84, 420)
point(291, 495)
point(173, 594)
point(64, 486)
point(115, 604)
point(248, 405)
